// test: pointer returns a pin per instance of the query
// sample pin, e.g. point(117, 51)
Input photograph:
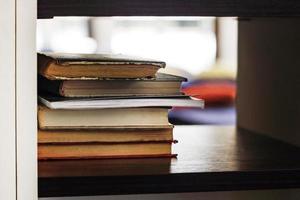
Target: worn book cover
point(63, 66)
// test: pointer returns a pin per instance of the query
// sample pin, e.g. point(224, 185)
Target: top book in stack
point(62, 66)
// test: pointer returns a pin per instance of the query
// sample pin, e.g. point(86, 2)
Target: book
point(160, 85)
point(53, 102)
point(117, 150)
point(102, 118)
point(100, 167)
point(63, 66)
point(115, 135)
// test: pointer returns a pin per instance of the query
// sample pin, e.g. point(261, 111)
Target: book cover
point(112, 135)
point(53, 102)
point(63, 66)
point(102, 118)
point(92, 151)
point(160, 85)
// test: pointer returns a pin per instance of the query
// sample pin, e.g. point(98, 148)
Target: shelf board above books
point(245, 8)
point(210, 158)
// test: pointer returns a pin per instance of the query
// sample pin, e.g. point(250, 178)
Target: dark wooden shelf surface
point(242, 8)
point(210, 158)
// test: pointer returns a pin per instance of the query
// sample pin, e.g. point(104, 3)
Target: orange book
point(117, 135)
point(104, 150)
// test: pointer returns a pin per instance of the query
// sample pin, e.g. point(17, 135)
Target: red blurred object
point(212, 93)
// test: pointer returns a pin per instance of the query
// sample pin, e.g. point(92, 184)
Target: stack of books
point(105, 106)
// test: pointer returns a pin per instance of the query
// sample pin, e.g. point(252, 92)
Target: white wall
point(7, 101)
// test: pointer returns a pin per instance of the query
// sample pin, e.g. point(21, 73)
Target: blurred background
point(202, 49)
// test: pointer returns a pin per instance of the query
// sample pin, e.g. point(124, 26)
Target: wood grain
point(243, 8)
point(210, 158)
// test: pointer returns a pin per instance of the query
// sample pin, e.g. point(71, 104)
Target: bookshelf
point(254, 161)
point(245, 8)
point(210, 158)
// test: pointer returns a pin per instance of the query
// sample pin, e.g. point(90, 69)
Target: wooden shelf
point(245, 8)
point(210, 158)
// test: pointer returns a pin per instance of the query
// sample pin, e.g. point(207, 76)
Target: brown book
point(160, 85)
point(100, 167)
point(106, 136)
point(62, 66)
point(100, 150)
point(102, 118)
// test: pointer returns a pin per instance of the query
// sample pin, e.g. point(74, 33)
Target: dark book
point(62, 66)
point(160, 85)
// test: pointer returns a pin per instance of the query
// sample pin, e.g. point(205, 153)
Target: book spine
point(49, 86)
point(43, 63)
point(107, 157)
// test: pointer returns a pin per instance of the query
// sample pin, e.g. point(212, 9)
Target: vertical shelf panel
point(268, 77)
point(7, 105)
point(26, 99)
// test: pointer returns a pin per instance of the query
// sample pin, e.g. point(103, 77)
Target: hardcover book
point(160, 85)
point(101, 150)
point(112, 135)
point(63, 66)
point(102, 118)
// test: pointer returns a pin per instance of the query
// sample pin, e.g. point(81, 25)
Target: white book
point(102, 118)
point(101, 103)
